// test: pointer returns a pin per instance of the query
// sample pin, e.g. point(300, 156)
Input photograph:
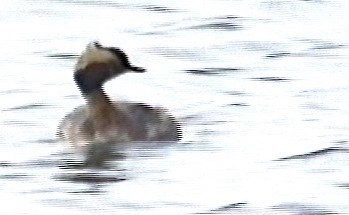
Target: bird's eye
point(97, 44)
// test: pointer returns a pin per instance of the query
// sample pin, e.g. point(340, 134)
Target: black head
point(98, 64)
point(123, 58)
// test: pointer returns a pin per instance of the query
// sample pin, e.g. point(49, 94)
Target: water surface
point(259, 86)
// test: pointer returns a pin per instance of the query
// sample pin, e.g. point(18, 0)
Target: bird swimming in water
point(103, 121)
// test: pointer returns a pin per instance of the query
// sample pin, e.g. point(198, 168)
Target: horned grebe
point(101, 121)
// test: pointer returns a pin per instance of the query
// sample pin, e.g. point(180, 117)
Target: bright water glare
point(260, 88)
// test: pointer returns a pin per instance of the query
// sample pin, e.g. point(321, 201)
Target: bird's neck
point(102, 112)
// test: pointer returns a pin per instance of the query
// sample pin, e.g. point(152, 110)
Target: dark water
point(260, 87)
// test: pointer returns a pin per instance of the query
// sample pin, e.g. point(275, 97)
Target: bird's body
point(103, 121)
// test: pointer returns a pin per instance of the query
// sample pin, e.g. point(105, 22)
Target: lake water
point(260, 88)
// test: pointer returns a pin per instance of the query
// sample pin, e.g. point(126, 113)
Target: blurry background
point(260, 87)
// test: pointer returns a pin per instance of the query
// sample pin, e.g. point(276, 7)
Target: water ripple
point(225, 209)
point(15, 176)
point(344, 185)
point(278, 55)
point(14, 91)
point(317, 153)
point(89, 178)
point(272, 79)
point(20, 123)
point(160, 9)
point(239, 104)
point(66, 56)
point(211, 71)
point(28, 107)
point(296, 208)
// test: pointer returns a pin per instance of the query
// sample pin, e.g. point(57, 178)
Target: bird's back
point(141, 123)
